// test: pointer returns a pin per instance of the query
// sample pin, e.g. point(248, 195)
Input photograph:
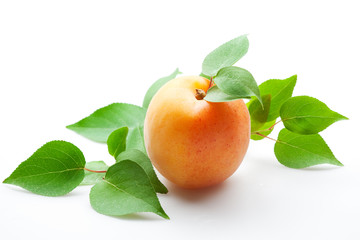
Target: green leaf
point(135, 139)
point(214, 94)
point(264, 130)
point(100, 124)
point(156, 86)
point(259, 113)
point(125, 189)
point(238, 82)
point(205, 76)
point(300, 151)
point(117, 141)
point(307, 115)
point(54, 169)
point(141, 159)
point(92, 177)
point(280, 91)
point(225, 55)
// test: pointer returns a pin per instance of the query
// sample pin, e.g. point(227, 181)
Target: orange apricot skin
point(195, 143)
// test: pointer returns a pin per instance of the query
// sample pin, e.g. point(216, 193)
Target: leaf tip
point(178, 71)
point(338, 163)
point(6, 180)
point(340, 116)
point(261, 102)
point(164, 215)
point(344, 118)
point(163, 190)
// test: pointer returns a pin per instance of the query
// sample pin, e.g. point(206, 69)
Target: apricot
point(192, 142)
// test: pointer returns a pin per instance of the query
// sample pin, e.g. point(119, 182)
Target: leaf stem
point(211, 83)
point(270, 128)
point(94, 170)
point(262, 135)
point(267, 129)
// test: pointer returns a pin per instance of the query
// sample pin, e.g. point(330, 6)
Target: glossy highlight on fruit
point(195, 143)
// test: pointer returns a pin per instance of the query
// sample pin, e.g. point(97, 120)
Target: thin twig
point(211, 83)
point(262, 135)
point(274, 124)
point(94, 171)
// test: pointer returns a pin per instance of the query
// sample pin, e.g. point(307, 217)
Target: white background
point(61, 60)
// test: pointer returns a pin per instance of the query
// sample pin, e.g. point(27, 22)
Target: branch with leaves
point(130, 185)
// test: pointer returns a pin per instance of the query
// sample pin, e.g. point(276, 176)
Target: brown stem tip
point(200, 94)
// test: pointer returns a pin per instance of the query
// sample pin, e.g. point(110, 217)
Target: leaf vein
point(305, 150)
point(53, 172)
point(122, 190)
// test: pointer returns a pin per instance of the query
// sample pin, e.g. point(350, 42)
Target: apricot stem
point(200, 94)
point(94, 171)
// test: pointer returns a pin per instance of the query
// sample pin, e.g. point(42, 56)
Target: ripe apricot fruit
point(192, 142)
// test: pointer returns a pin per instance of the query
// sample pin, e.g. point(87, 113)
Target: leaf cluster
point(299, 144)
point(231, 82)
point(130, 184)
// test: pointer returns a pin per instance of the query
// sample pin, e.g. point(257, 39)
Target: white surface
point(61, 60)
